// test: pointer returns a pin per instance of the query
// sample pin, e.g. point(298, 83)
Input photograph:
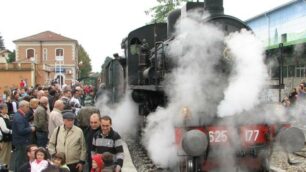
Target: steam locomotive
point(202, 145)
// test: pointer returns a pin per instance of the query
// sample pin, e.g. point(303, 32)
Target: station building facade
point(53, 57)
point(283, 32)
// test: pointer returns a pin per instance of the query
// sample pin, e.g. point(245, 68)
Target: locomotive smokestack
point(172, 18)
point(214, 6)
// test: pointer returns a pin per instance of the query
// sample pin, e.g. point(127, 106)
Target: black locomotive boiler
point(200, 145)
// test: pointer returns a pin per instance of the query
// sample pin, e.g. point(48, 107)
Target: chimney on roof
point(214, 6)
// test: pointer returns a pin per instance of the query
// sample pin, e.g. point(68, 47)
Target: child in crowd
point(40, 162)
point(108, 162)
point(97, 163)
point(59, 160)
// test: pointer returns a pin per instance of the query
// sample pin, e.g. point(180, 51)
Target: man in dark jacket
point(21, 134)
point(26, 167)
point(94, 127)
point(41, 119)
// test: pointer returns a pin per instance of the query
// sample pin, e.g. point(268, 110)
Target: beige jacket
point(71, 142)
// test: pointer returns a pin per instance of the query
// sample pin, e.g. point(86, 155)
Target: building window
point(59, 52)
point(291, 71)
point(300, 71)
point(30, 53)
point(45, 54)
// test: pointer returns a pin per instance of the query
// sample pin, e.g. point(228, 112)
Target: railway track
point(140, 157)
point(279, 160)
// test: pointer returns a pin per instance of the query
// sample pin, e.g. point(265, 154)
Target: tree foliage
point(160, 12)
point(2, 47)
point(84, 62)
point(11, 57)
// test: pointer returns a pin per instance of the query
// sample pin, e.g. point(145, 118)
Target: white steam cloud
point(249, 75)
point(159, 138)
point(198, 82)
point(124, 114)
point(193, 83)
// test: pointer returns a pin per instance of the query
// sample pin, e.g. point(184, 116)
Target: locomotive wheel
point(265, 157)
point(265, 167)
point(189, 164)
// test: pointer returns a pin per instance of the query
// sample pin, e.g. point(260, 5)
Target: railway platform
point(128, 165)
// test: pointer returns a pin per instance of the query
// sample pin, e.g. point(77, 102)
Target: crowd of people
point(297, 93)
point(57, 129)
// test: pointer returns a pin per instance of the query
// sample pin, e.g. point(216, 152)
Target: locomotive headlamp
point(186, 113)
point(227, 54)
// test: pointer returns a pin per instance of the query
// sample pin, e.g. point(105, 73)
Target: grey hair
point(43, 99)
point(23, 103)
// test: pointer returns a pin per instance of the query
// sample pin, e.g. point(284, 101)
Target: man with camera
point(75, 101)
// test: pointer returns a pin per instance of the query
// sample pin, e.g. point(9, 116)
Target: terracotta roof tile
point(45, 36)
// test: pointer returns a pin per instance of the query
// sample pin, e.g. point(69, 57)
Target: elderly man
point(33, 105)
point(41, 122)
point(40, 93)
point(56, 116)
point(21, 134)
point(69, 139)
point(84, 115)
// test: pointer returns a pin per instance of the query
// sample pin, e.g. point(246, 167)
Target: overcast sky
point(98, 25)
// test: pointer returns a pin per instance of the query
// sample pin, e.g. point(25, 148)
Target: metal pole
point(60, 75)
point(280, 79)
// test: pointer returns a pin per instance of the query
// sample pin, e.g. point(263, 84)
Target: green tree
point(11, 57)
point(160, 12)
point(2, 47)
point(84, 62)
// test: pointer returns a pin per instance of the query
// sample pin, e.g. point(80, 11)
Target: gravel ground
point(279, 160)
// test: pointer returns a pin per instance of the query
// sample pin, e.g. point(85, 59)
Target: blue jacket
point(21, 130)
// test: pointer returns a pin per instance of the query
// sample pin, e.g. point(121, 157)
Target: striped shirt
point(111, 143)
